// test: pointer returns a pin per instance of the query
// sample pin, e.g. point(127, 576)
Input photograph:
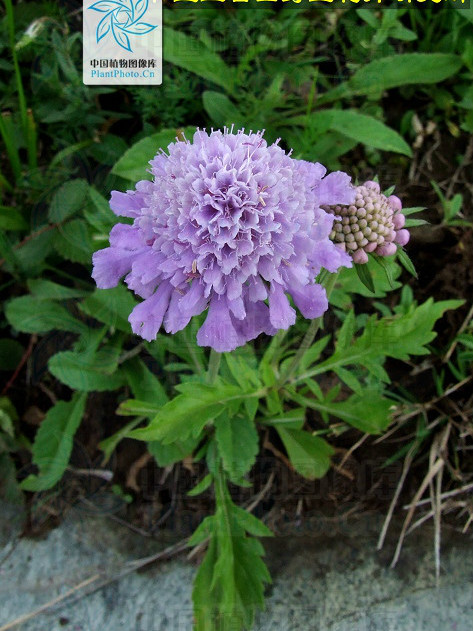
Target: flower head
point(229, 224)
point(373, 223)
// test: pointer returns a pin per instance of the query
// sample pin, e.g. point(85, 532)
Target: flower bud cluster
point(373, 223)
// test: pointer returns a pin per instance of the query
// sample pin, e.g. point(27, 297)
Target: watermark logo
point(122, 42)
point(122, 18)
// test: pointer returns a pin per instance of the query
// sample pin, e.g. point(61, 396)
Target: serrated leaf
point(369, 411)
point(237, 441)
point(309, 455)
point(144, 384)
point(189, 412)
point(110, 306)
point(229, 586)
point(73, 241)
point(346, 331)
point(68, 200)
point(166, 455)
point(30, 315)
point(80, 372)
point(53, 443)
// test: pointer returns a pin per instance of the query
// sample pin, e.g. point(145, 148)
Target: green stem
point(25, 122)
point(214, 365)
point(328, 281)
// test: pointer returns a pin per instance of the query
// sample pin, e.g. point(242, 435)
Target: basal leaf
point(53, 443)
point(80, 372)
point(30, 315)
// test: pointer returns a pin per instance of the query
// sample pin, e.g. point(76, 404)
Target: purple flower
point(372, 223)
point(229, 224)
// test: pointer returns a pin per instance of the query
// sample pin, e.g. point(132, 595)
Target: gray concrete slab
point(327, 579)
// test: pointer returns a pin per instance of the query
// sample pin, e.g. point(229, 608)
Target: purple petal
point(174, 319)
point(335, 188)
point(147, 317)
point(256, 321)
point(281, 314)
point(218, 330)
point(127, 237)
point(111, 264)
point(126, 204)
point(311, 300)
point(194, 301)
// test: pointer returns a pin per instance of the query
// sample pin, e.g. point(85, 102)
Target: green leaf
point(10, 491)
point(313, 353)
point(220, 109)
point(188, 413)
point(74, 242)
point(368, 411)
point(293, 420)
point(406, 262)
point(99, 215)
point(238, 444)
point(408, 334)
point(32, 254)
point(110, 306)
point(108, 445)
point(68, 200)
point(11, 219)
point(346, 331)
point(30, 315)
point(365, 277)
point(309, 455)
point(364, 129)
point(133, 407)
point(47, 290)
point(202, 486)
point(84, 373)
point(188, 53)
point(395, 71)
point(53, 443)
point(229, 586)
point(134, 164)
point(166, 455)
point(11, 353)
point(409, 68)
point(144, 384)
